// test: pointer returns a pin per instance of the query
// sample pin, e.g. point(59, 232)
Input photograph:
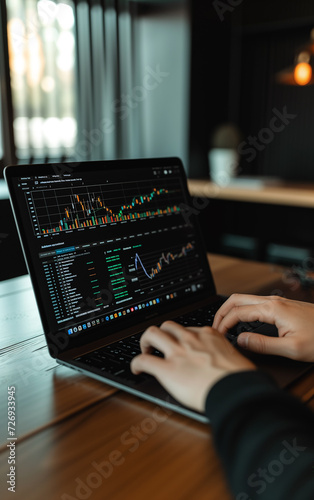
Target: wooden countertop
point(279, 193)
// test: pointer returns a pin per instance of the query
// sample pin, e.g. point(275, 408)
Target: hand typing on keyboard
point(195, 358)
point(294, 320)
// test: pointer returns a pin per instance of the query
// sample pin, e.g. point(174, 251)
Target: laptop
point(111, 248)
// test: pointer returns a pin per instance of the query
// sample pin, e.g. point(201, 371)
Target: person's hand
point(194, 360)
point(293, 319)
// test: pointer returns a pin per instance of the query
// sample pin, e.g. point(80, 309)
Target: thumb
point(261, 344)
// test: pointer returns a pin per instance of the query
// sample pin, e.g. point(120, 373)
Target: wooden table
point(78, 438)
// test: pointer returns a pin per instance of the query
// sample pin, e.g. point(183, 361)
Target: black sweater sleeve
point(264, 437)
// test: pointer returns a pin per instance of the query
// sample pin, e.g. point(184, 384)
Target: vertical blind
point(99, 79)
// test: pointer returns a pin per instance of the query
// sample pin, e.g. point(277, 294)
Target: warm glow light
point(35, 61)
point(18, 65)
point(303, 73)
point(16, 36)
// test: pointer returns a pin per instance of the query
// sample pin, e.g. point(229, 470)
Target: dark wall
point(209, 81)
point(12, 262)
point(236, 55)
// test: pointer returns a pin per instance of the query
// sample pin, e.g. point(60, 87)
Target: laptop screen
point(108, 243)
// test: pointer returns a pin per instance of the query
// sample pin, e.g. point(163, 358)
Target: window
point(97, 79)
point(41, 44)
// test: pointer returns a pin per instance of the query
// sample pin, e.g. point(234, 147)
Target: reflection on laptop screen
point(108, 245)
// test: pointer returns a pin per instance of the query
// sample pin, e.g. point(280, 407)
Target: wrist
point(217, 379)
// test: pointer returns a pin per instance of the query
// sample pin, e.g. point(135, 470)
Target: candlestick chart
point(56, 210)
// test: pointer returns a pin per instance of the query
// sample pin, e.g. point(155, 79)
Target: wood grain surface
point(284, 193)
point(78, 438)
point(122, 449)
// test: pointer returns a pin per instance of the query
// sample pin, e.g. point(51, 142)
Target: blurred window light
point(66, 42)
point(52, 132)
point(36, 135)
point(68, 129)
point(21, 128)
point(65, 62)
point(73, 63)
point(42, 48)
point(65, 16)
point(48, 84)
point(47, 12)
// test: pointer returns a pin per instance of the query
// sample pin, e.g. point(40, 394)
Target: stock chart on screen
point(61, 209)
point(110, 244)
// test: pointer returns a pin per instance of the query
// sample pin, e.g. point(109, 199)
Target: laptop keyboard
point(115, 359)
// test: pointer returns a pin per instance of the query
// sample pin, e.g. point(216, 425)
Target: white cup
point(223, 165)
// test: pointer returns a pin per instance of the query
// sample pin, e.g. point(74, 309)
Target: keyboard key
point(115, 358)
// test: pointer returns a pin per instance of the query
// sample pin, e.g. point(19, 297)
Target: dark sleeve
point(264, 437)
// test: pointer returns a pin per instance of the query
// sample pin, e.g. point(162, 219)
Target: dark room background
point(73, 76)
point(104, 79)
point(234, 66)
